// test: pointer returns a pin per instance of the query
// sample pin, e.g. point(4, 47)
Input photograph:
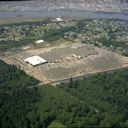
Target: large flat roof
point(35, 60)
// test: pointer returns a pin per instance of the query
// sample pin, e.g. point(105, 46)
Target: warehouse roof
point(35, 60)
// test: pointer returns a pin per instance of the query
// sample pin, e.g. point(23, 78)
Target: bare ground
point(68, 60)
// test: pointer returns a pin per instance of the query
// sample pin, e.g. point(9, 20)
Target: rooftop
point(35, 60)
point(39, 41)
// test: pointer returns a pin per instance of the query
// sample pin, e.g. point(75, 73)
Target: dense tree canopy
point(97, 101)
point(16, 100)
point(12, 77)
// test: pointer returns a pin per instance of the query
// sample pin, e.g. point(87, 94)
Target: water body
point(82, 14)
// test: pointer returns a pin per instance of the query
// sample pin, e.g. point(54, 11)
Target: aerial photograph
point(64, 64)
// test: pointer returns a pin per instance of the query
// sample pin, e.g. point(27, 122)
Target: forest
point(97, 101)
point(16, 100)
point(55, 34)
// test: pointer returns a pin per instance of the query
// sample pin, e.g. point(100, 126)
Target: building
point(59, 19)
point(35, 60)
point(39, 41)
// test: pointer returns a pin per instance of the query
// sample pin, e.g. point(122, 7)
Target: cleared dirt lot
point(67, 61)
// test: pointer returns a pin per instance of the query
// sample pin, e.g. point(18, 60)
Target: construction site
point(56, 63)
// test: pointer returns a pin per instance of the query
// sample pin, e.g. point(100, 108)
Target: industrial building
point(35, 60)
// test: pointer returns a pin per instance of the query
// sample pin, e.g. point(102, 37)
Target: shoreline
point(13, 16)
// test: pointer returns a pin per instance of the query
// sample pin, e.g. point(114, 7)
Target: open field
point(67, 61)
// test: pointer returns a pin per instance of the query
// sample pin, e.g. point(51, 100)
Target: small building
point(35, 60)
point(39, 41)
point(59, 19)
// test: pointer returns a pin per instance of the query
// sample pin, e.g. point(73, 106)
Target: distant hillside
point(84, 5)
point(84, 0)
